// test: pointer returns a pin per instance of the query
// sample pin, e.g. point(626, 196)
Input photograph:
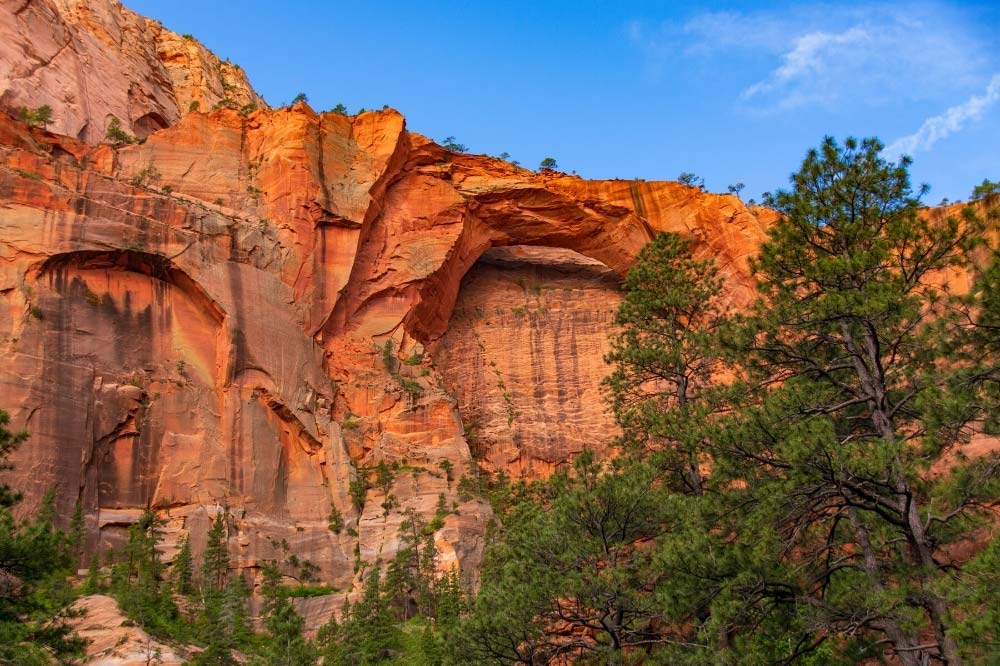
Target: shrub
point(335, 521)
point(300, 591)
point(358, 489)
point(116, 135)
point(40, 116)
point(448, 469)
point(23, 173)
point(340, 110)
point(144, 176)
point(194, 106)
point(691, 180)
point(451, 144)
point(301, 97)
point(411, 386)
point(388, 356)
point(548, 164)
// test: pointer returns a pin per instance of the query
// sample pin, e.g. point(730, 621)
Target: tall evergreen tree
point(139, 581)
point(367, 633)
point(823, 499)
point(215, 559)
point(285, 645)
point(573, 575)
point(183, 573)
point(663, 356)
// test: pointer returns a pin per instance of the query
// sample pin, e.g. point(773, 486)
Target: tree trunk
point(899, 639)
point(909, 509)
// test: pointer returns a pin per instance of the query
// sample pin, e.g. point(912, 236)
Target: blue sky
point(734, 92)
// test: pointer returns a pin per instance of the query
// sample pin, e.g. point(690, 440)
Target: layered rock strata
point(199, 323)
point(253, 311)
point(94, 60)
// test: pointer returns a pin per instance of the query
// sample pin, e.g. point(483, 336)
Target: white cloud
point(945, 124)
point(827, 56)
point(809, 56)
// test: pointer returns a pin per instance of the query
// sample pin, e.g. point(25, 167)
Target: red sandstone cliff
point(93, 59)
point(196, 321)
point(190, 322)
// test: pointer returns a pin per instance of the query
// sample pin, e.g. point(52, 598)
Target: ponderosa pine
point(836, 481)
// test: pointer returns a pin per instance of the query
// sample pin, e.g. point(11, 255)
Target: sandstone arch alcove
point(524, 357)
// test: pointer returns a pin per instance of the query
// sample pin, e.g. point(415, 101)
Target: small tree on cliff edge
point(821, 496)
point(548, 163)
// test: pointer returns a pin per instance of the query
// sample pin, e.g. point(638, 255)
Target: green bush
point(144, 176)
point(335, 521)
point(451, 144)
point(116, 135)
point(40, 116)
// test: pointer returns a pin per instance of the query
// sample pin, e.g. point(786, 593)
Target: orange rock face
point(524, 357)
point(93, 59)
point(200, 322)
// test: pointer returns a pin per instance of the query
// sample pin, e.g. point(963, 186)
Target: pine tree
point(822, 527)
point(35, 564)
point(77, 531)
point(664, 355)
point(183, 572)
point(215, 559)
point(139, 583)
point(573, 559)
point(367, 633)
point(43, 115)
point(9, 441)
point(285, 644)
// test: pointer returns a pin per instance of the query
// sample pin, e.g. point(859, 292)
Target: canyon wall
point(91, 60)
point(318, 324)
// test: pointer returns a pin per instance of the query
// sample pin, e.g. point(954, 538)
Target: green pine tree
point(367, 633)
point(284, 644)
point(139, 581)
point(664, 355)
point(183, 570)
point(36, 560)
point(215, 559)
point(822, 527)
point(573, 559)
